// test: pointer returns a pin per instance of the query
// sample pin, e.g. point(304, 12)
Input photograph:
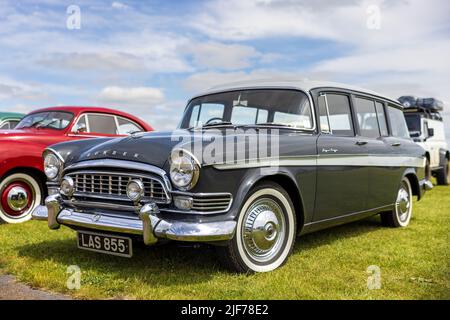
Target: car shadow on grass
point(328, 236)
point(161, 265)
point(157, 265)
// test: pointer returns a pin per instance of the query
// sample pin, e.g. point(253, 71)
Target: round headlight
point(135, 190)
point(52, 165)
point(184, 170)
point(67, 187)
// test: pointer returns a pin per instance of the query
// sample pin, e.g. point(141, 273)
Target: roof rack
point(430, 107)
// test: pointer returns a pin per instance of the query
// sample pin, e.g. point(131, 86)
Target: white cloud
point(222, 56)
point(343, 21)
point(202, 81)
point(119, 5)
point(141, 96)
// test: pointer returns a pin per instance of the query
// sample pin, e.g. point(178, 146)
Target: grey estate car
point(283, 158)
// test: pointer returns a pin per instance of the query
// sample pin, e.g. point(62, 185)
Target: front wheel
point(265, 232)
point(401, 215)
point(20, 194)
point(443, 175)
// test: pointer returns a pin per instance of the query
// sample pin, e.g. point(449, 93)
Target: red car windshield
point(57, 120)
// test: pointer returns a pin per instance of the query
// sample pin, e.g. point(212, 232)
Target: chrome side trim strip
point(329, 160)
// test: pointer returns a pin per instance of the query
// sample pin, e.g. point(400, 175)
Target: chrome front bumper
point(147, 225)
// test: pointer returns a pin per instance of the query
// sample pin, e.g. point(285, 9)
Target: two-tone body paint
point(331, 179)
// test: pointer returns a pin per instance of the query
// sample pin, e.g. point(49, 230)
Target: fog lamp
point(67, 187)
point(183, 203)
point(135, 190)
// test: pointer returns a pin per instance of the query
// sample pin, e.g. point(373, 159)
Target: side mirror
point(430, 132)
point(81, 128)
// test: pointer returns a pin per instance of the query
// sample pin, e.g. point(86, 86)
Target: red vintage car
point(22, 177)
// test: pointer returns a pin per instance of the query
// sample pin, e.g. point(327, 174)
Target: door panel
point(342, 174)
point(342, 177)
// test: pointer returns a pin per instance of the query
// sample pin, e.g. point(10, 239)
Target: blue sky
point(149, 57)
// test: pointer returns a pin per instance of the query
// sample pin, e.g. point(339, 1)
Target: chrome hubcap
point(17, 198)
point(403, 203)
point(263, 229)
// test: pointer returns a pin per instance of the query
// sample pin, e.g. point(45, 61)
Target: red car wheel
point(20, 193)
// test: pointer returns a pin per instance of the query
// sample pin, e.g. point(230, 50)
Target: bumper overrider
point(147, 224)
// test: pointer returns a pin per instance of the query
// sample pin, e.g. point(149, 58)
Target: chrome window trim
point(307, 93)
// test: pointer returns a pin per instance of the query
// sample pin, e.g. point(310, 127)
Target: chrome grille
point(112, 185)
point(211, 203)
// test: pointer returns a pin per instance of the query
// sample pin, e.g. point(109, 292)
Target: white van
point(426, 127)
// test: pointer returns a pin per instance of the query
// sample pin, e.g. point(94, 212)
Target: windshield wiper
point(213, 125)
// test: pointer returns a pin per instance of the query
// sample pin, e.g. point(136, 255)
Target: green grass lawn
point(330, 264)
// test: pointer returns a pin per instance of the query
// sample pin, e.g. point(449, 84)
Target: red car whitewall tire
point(20, 194)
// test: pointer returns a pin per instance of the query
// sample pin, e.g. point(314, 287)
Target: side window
point(127, 126)
point(103, 124)
point(323, 114)
point(81, 126)
point(4, 126)
point(13, 123)
point(425, 129)
point(381, 119)
point(398, 122)
point(194, 116)
point(340, 117)
point(367, 118)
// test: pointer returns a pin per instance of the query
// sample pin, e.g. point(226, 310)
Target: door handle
point(361, 143)
point(397, 144)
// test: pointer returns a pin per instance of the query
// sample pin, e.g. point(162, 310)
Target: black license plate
point(115, 245)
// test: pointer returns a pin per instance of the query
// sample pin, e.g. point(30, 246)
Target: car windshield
point(57, 120)
point(414, 125)
point(284, 108)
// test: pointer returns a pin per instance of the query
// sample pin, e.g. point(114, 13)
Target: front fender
point(280, 175)
point(14, 154)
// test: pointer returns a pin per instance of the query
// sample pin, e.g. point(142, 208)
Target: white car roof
point(304, 85)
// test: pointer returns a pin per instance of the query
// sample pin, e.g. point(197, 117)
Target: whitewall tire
point(20, 194)
point(403, 208)
point(265, 232)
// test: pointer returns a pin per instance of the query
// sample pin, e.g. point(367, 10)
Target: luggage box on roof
point(431, 104)
point(408, 101)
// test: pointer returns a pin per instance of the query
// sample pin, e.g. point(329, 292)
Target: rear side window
point(398, 122)
point(339, 115)
point(4, 126)
point(102, 124)
point(127, 127)
point(367, 117)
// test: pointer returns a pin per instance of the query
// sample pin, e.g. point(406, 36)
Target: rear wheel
point(401, 215)
point(20, 194)
point(443, 175)
point(265, 232)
